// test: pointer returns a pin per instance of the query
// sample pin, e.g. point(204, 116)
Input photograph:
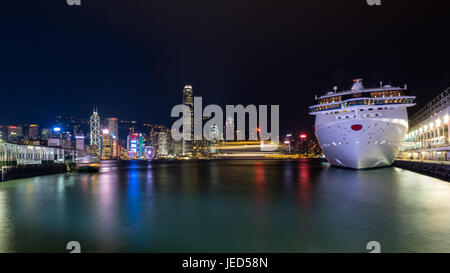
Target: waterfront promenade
point(20, 161)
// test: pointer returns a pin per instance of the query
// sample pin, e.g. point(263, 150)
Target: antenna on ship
point(381, 84)
point(335, 88)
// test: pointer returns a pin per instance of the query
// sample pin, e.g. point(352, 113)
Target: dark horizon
point(132, 59)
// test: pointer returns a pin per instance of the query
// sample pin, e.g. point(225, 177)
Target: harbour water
point(226, 206)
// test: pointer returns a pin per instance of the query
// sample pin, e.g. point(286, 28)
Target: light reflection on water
point(226, 206)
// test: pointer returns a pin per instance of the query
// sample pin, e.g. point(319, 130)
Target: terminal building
point(428, 134)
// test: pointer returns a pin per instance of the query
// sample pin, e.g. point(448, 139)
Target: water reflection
point(5, 223)
point(226, 206)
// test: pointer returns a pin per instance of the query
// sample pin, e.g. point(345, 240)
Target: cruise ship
point(362, 128)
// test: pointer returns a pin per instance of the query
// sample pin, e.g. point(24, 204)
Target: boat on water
point(87, 164)
point(362, 128)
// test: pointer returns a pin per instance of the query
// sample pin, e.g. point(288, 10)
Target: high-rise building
point(79, 142)
point(14, 133)
point(95, 140)
point(135, 145)
point(113, 126)
point(106, 144)
point(45, 133)
point(115, 147)
point(188, 100)
point(214, 136)
point(162, 144)
point(33, 131)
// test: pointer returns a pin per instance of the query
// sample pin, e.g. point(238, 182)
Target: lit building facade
point(162, 144)
point(79, 142)
point(135, 145)
point(215, 137)
point(113, 125)
point(95, 140)
point(148, 152)
point(115, 147)
point(188, 100)
point(428, 135)
point(33, 131)
point(106, 144)
point(14, 133)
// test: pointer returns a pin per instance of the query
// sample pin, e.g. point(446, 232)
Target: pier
point(19, 161)
point(428, 134)
point(426, 147)
point(435, 168)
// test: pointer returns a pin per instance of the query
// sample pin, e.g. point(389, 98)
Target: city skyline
point(285, 56)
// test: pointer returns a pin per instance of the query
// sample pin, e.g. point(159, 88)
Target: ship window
point(346, 116)
point(361, 110)
point(370, 109)
point(390, 93)
point(380, 108)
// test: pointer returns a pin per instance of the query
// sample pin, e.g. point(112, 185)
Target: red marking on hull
point(356, 127)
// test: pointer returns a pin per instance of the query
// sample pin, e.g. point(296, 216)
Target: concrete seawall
point(436, 169)
point(8, 173)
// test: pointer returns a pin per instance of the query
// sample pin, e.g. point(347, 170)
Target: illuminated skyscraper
point(214, 136)
point(95, 132)
point(79, 142)
point(162, 144)
point(113, 125)
point(106, 144)
point(188, 100)
point(135, 145)
point(33, 131)
point(14, 133)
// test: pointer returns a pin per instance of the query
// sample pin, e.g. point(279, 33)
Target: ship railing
point(362, 102)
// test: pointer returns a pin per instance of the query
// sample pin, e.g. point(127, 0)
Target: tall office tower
point(162, 144)
point(113, 125)
point(214, 136)
point(106, 144)
point(95, 132)
point(230, 130)
point(135, 145)
point(188, 100)
point(14, 133)
point(33, 131)
point(79, 142)
point(115, 147)
point(45, 133)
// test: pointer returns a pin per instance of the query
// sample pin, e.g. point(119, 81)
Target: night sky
point(132, 58)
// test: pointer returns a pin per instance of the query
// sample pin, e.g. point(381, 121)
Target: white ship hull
point(362, 128)
point(376, 144)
